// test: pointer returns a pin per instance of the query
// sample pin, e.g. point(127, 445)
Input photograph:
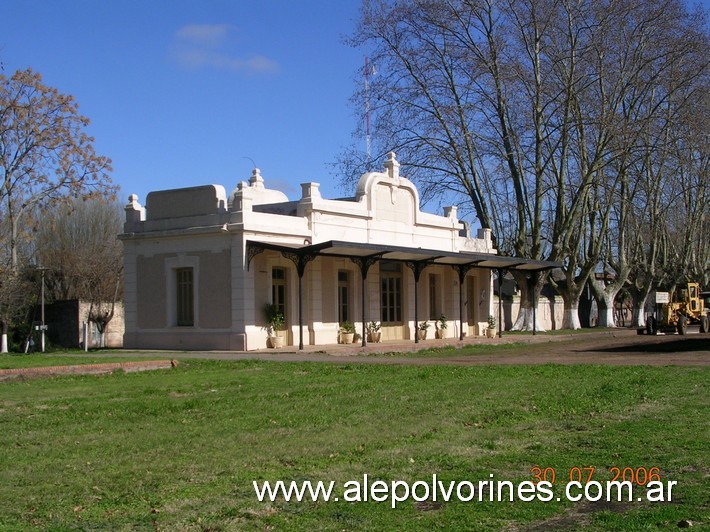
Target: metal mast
point(367, 114)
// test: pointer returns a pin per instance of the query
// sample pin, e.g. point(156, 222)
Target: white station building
point(200, 266)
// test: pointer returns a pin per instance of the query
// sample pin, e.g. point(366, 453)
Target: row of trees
point(576, 130)
point(57, 207)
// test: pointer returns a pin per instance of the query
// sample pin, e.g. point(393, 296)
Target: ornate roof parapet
point(451, 212)
point(256, 181)
point(486, 234)
point(310, 191)
point(392, 166)
point(388, 196)
point(240, 200)
point(135, 213)
point(256, 193)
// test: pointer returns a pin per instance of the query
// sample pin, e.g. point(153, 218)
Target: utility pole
point(42, 326)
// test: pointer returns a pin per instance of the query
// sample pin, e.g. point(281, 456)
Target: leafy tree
point(16, 294)
point(45, 154)
point(46, 159)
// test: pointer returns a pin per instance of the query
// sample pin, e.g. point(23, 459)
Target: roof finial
point(392, 166)
point(256, 180)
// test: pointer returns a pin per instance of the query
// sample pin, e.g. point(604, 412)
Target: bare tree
point(662, 237)
point(453, 96)
point(532, 112)
point(78, 244)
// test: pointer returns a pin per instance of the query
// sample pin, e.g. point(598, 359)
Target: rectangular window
point(473, 301)
point(391, 292)
point(433, 300)
point(278, 289)
point(185, 297)
point(343, 296)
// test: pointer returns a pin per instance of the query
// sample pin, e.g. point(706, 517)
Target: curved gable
point(388, 196)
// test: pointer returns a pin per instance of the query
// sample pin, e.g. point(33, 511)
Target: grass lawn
point(178, 449)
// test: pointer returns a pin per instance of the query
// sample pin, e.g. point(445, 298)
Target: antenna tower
point(367, 114)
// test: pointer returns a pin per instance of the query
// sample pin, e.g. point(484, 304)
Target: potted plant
point(274, 325)
point(441, 325)
point(347, 332)
point(422, 330)
point(373, 332)
point(491, 330)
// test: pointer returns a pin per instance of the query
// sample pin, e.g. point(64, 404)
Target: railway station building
point(201, 265)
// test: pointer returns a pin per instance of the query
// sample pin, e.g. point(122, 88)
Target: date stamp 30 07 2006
point(640, 476)
point(580, 483)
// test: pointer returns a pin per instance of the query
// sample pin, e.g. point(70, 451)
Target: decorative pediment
point(388, 196)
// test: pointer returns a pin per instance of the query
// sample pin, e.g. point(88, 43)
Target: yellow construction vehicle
point(686, 305)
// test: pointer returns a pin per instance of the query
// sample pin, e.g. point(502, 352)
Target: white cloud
point(203, 35)
point(202, 46)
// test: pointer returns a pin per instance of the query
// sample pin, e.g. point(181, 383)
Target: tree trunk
point(605, 296)
point(639, 296)
point(570, 296)
point(13, 232)
point(103, 318)
point(524, 321)
point(570, 318)
point(571, 291)
point(3, 342)
point(638, 317)
point(605, 307)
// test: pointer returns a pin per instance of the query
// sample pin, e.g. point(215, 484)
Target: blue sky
point(189, 92)
point(183, 93)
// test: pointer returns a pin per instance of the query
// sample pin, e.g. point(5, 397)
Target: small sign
point(41, 327)
point(662, 297)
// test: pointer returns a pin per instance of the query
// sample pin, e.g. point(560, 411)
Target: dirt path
point(85, 369)
point(616, 347)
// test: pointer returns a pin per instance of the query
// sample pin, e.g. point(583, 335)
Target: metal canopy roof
point(339, 248)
